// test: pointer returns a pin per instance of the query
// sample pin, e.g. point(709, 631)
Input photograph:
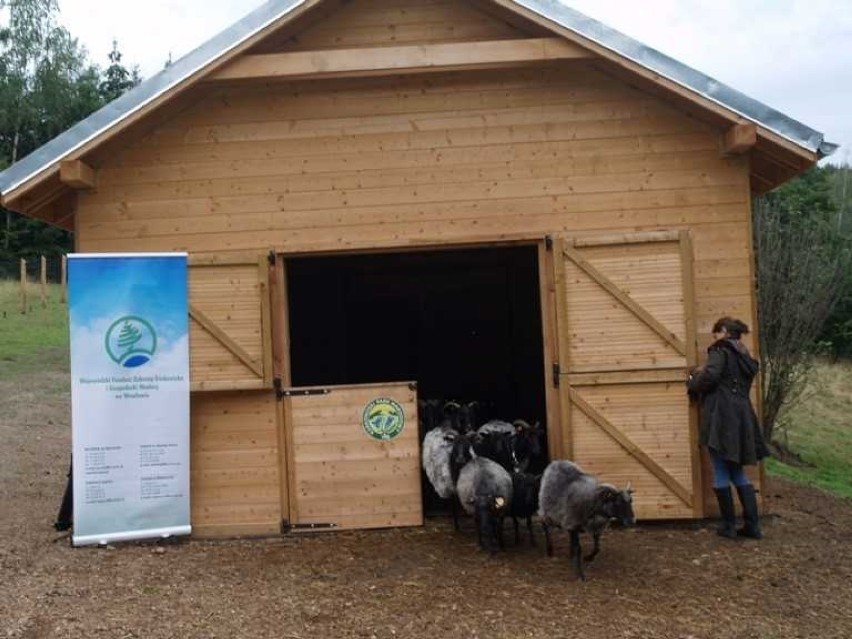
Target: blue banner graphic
point(129, 396)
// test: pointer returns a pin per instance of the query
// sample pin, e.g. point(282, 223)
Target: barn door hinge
point(548, 242)
point(281, 392)
point(287, 527)
point(557, 371)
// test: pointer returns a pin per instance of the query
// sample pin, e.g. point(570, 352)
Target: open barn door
point(354, 457)
point(626, 341)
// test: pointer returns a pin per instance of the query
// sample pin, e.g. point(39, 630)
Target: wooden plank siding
point(390, 22)
point(373, 163)
point(234, 477)
point(396, 162)
point(344, 477)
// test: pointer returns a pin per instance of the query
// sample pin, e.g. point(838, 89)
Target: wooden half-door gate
point(626, 340)
point(354, 457)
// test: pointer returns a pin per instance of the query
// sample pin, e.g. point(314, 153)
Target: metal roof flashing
point(704, 85)
point(551, 10)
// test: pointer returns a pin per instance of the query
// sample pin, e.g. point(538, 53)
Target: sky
point(794, 55)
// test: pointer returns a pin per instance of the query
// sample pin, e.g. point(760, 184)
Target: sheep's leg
point(596, 536)
point(548, 541)
point(477, 521)
point(498, 529)
point(487, 530)
point(454, 507)
point(577, 554)
point(517, 531)
point(530, 528)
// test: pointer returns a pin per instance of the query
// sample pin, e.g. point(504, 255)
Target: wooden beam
point(739, 139)
point(210, 326)
point(632, 448)
point(336, 63)
point(78, 175)
point(59, 211)
point(646, 376)
point(628, 302)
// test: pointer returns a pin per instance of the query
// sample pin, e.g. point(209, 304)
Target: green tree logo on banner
point(131, 341)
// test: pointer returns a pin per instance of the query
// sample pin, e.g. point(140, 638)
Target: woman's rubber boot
point(751, 521)
point(728, 527)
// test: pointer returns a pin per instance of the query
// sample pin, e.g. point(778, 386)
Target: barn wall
point(383, 162)
point(390, 162)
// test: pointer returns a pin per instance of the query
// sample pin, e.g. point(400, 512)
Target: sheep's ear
point(629, 489)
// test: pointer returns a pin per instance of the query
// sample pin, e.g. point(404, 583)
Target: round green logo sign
point(131, 341)
point(383, 419)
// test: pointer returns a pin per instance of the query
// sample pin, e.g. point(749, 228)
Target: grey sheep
point(485, 491)
point(445, 451)
point(576, 501)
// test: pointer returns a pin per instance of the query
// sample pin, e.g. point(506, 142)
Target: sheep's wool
point(566, 491)
point(437, 448)
point(483, 477)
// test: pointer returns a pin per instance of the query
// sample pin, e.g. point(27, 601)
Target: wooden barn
point(389, 200)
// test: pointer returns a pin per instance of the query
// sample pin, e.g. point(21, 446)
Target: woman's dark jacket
point(729, 424)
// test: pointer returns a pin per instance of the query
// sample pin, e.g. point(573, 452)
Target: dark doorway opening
point(464, 324)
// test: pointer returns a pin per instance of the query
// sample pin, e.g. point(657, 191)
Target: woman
point(729, 426)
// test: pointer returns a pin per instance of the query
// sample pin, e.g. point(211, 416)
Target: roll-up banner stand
point(129, 396)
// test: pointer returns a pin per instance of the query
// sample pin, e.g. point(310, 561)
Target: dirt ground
point(654, 581)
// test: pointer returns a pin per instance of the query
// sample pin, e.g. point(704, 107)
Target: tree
point(802, 262)
point(23, 41)
point(117, 78)
point(46, 86)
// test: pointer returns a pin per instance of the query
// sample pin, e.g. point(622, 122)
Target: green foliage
point(117, 79)
point(805, 200)
point(818, 205)
point(46, 86)
point(802, 264)
point(838, 331)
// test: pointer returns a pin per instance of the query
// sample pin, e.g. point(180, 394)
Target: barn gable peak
point(285, 39)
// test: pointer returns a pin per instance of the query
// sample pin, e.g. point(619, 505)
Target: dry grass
point(820, 430)
point(37, 340)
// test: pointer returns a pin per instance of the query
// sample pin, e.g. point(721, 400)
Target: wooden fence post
point(63, 280)
point(43, 280)
point(23, 286)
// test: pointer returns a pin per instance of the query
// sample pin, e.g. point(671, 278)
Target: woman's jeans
point(727, 472)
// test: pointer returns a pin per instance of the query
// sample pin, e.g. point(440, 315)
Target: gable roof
point(275, 13)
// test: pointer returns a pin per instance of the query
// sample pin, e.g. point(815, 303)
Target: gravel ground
point(655, 580)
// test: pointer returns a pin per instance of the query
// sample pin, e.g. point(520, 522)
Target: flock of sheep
point(493, 471)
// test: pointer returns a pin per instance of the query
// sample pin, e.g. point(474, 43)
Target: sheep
point(576, 501)
point(529, 447)
point(485, 491)
point(514, 446)
point(445, 451)
point(525, 489)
